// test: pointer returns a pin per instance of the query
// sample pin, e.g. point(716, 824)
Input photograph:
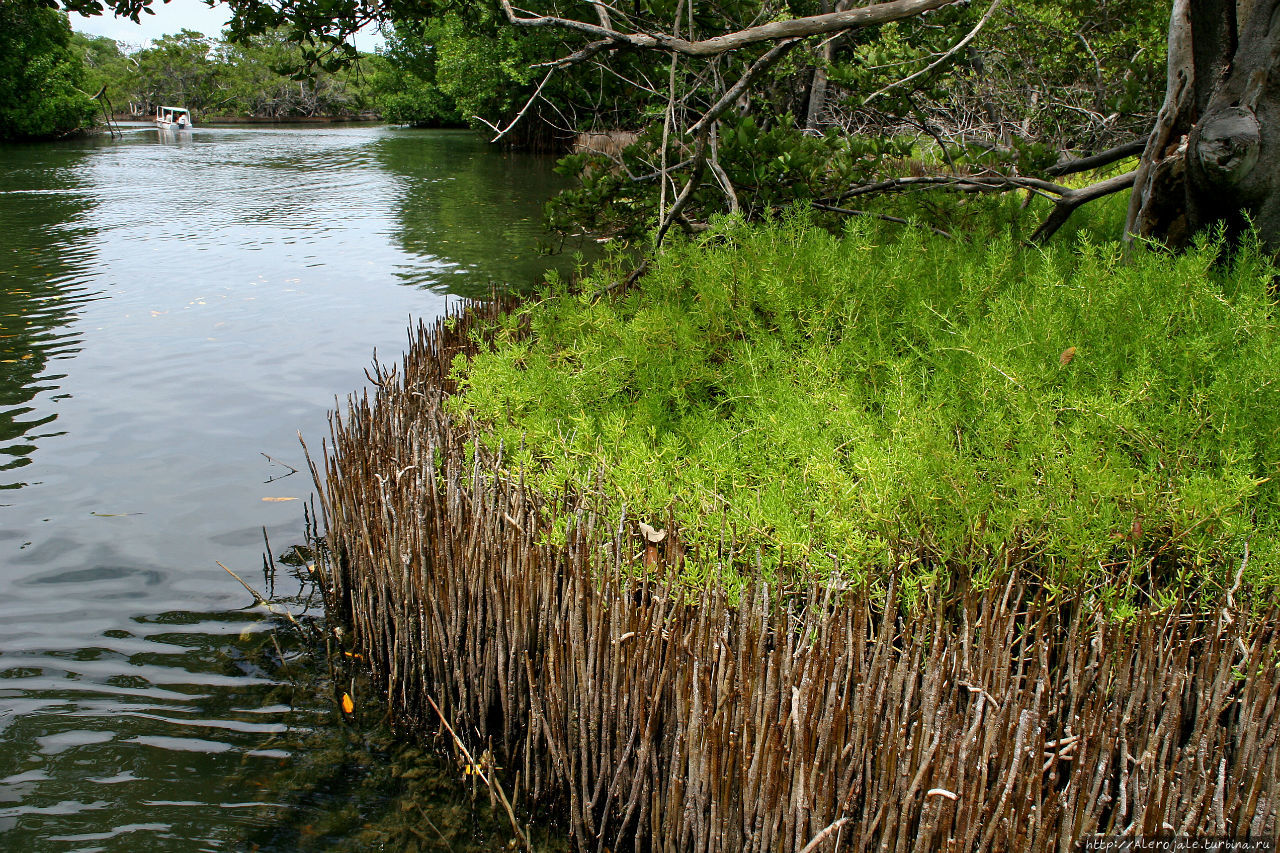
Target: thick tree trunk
point(818, 88)
point(1214, 154)
point(817, 97)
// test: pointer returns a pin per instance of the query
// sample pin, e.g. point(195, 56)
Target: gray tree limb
point(813, 25)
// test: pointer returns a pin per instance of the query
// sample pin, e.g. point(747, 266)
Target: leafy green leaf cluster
point(41, 78)
point(404, 79)
point(884, 401)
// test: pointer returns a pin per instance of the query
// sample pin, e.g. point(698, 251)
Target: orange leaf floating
point(279, 499)
point(347, 705)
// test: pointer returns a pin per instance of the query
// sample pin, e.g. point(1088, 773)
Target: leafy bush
point(39, 74)
point(886, 399)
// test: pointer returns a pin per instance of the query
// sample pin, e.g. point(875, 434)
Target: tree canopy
point(41, 77)
point(217, 77)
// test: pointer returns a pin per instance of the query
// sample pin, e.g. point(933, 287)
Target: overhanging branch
point(813, 25)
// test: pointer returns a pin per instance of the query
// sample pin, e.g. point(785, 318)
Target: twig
point(956, 48)
point(488, 778)
point(292, 470)
point(536, 92)
point(721, 175)
point(845, 211)
point(258, 599)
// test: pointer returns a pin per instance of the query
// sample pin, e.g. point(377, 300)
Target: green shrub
point(890, 399)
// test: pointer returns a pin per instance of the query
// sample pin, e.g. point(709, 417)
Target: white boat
point(173, 118)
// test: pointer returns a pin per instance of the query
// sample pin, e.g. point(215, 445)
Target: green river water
point(171, 311)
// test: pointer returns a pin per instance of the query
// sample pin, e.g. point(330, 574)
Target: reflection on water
point(173, 311)
point(42, 260)
point(449, 186)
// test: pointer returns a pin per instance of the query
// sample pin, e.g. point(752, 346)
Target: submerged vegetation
point(344, 778)
point(892, 400)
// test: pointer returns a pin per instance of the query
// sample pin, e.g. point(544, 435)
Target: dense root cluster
point(653, 712)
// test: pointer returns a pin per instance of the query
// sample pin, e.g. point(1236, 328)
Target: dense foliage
point(893, 399)
point(41, 78)
point(406, 82)
point(1006, 104)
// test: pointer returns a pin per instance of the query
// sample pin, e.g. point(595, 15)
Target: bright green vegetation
point(889, 398)
point(41, 78)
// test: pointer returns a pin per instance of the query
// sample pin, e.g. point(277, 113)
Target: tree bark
point(818, 88)
point(1213, 158)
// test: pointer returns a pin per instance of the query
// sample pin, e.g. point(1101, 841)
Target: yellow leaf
point(347, 705)
point(273, 500)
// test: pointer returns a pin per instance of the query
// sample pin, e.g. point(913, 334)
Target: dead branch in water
point(489, 780)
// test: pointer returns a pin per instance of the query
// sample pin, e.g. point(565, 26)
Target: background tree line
point(50, 74)
point(216, 77)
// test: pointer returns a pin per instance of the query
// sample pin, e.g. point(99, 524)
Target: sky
point(174, 16)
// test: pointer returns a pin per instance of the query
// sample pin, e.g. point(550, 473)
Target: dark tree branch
point(1073, 199)
point(1099, 160)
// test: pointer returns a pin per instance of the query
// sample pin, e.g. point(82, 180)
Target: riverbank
point(811, 542)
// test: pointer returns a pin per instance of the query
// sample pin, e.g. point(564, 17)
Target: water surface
point(172, 314)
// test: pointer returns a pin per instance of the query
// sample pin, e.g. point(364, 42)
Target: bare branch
point(963, 183)
point(1072, 199)
point(1097, 161)
point(721, 175)
point(537, 92)
point(813, 25)
point(735, 91)
point(956, 48)
point(578, 55)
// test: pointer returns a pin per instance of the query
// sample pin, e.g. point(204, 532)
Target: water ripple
point(170, 312)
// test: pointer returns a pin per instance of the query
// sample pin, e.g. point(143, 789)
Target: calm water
point(170, 312)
